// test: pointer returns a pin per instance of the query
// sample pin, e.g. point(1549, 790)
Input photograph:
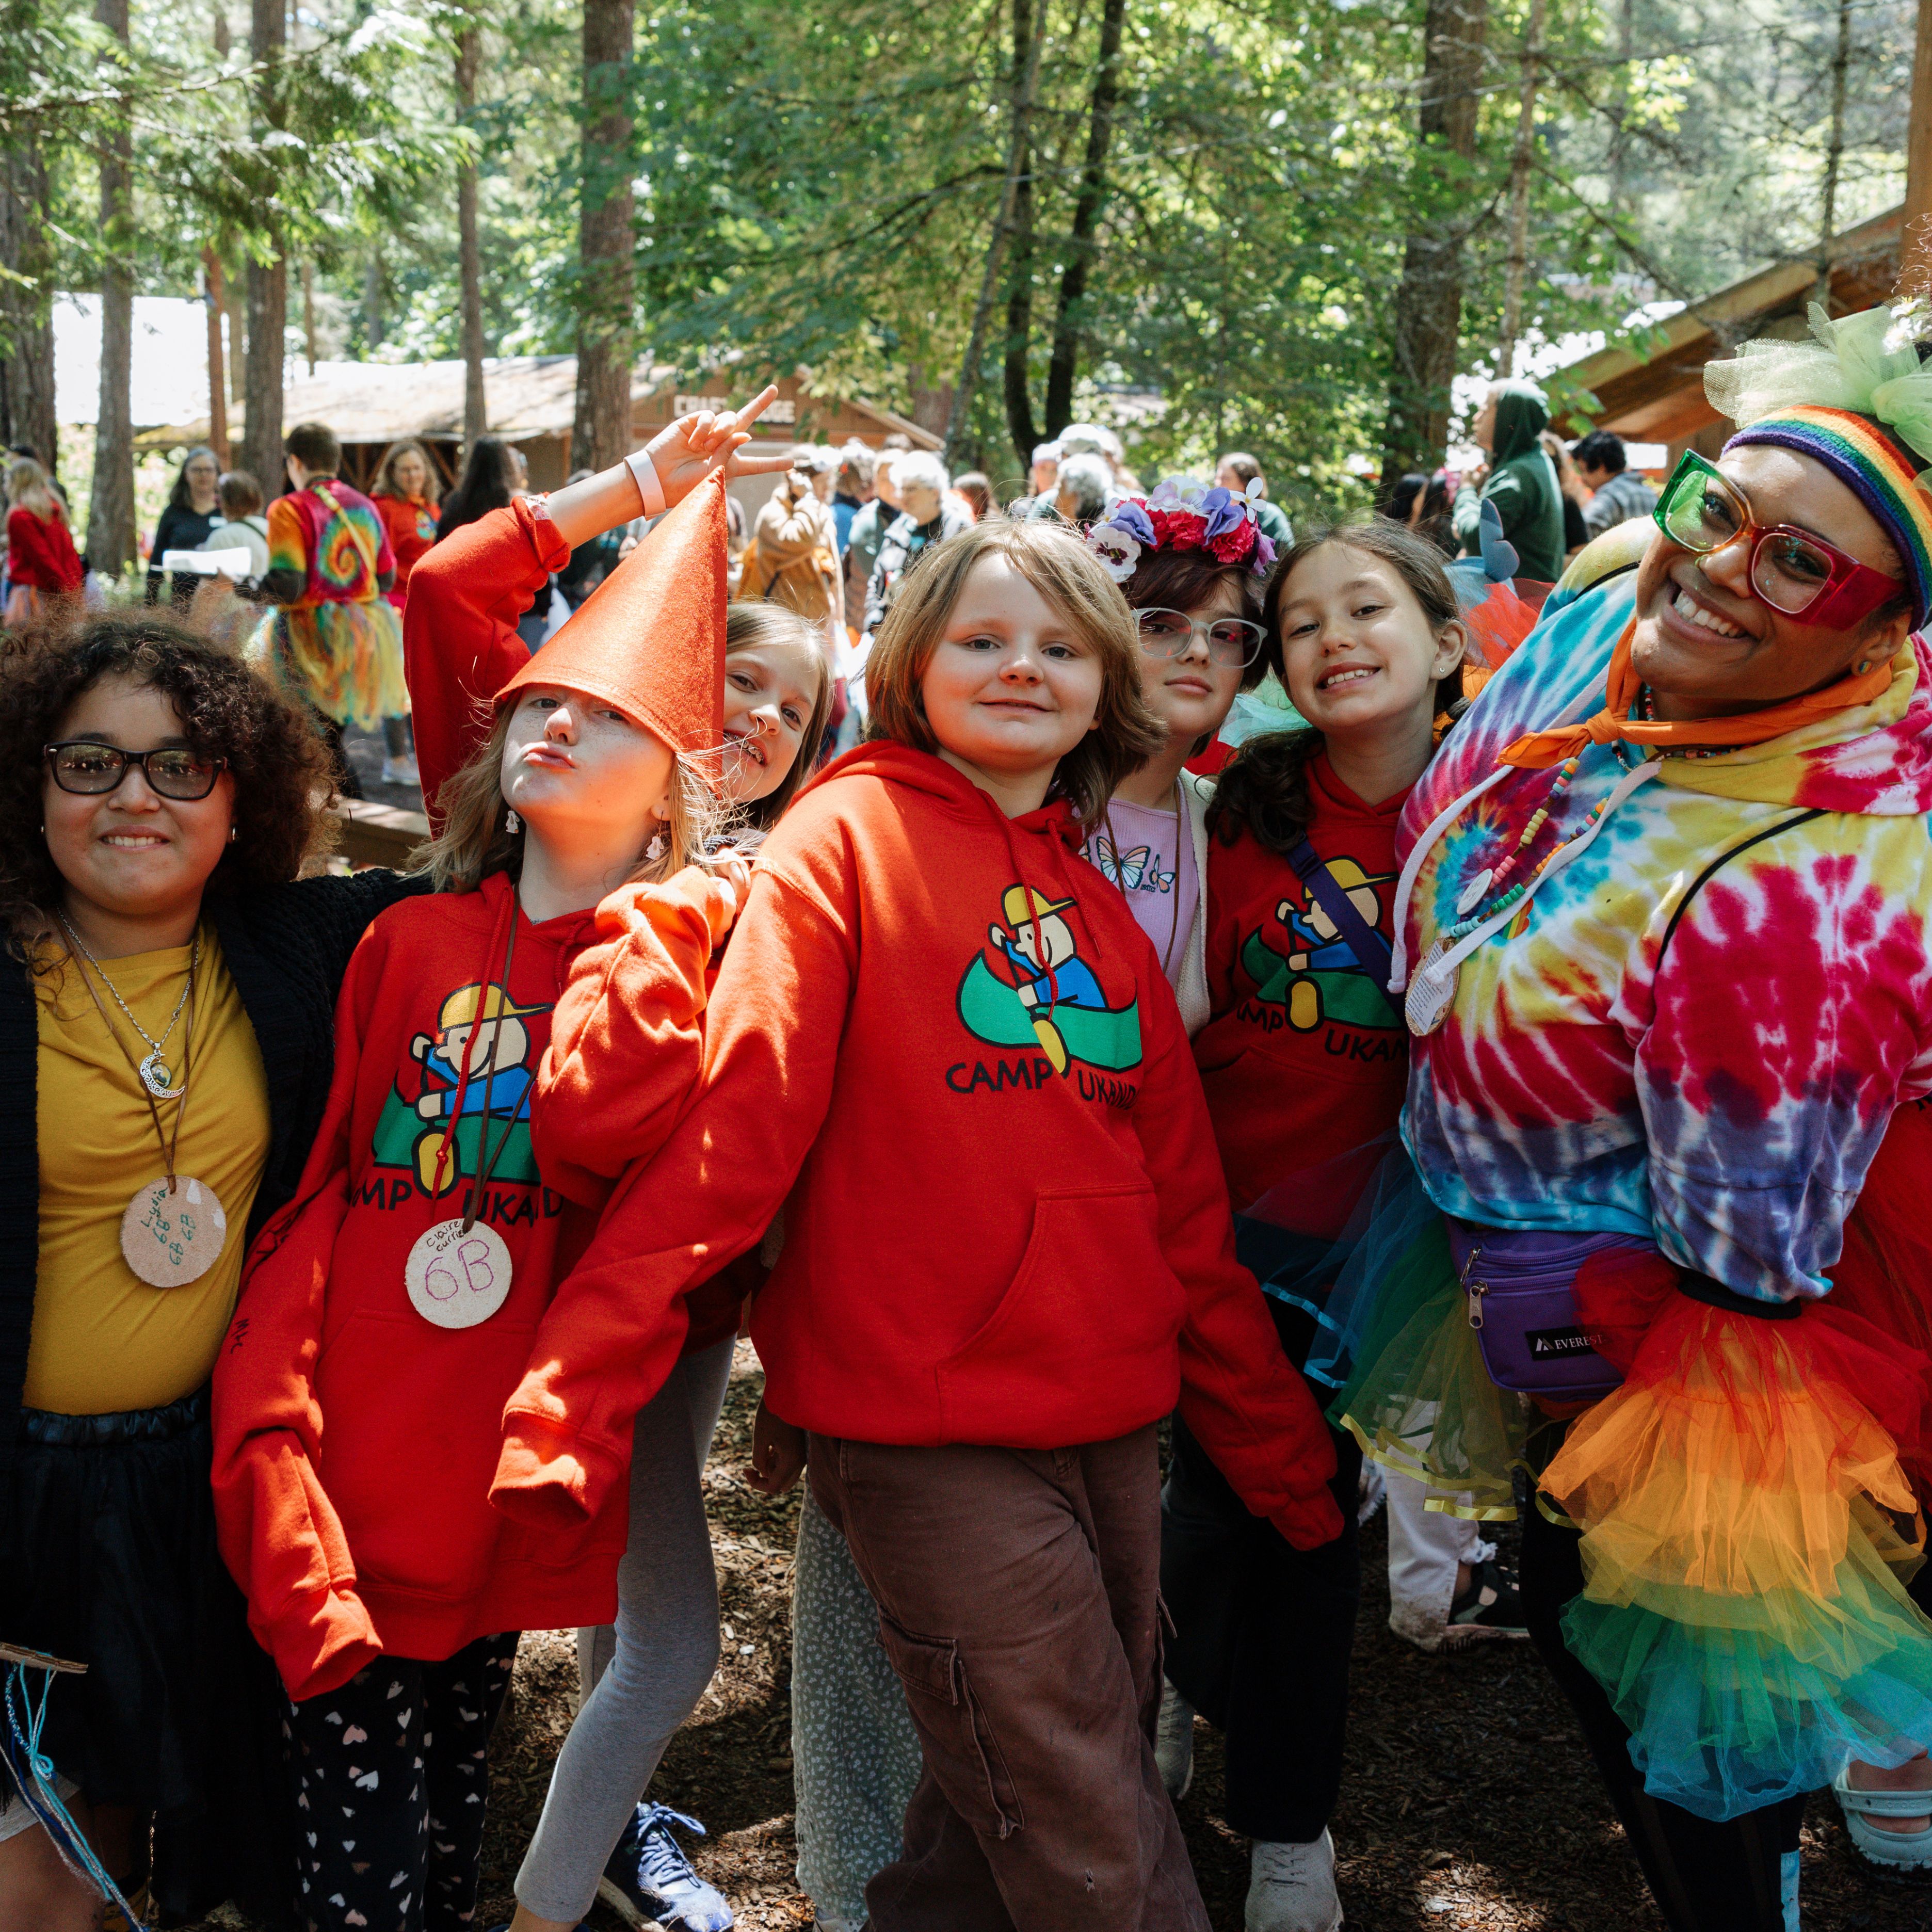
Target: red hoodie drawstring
point(469, 1039)
point(1032, 905)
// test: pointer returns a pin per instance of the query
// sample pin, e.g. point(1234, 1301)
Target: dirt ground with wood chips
point(1468, 1801)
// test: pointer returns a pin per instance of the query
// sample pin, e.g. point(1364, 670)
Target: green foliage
point(816, 183)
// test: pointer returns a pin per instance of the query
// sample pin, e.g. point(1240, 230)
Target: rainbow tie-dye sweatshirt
point(1700, 1032)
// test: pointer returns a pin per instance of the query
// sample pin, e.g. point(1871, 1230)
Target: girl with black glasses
point(165, 992)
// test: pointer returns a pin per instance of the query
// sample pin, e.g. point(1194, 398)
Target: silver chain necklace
point(156, 1075)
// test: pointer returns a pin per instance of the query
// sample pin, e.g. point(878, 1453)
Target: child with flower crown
point(1301, 1058)
point(1191, 562)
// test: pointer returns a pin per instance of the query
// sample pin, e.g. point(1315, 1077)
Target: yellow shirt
point(102, 1339)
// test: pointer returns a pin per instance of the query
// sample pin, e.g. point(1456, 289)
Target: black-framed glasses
point(1233, 643)
point(85, 766)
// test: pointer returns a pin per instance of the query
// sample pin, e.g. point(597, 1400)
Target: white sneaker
point(826, 1922)
point(401, 771)
point(1291, 1888)
point(1173, 1741)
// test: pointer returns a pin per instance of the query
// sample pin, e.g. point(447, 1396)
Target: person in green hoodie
point(1521, 482)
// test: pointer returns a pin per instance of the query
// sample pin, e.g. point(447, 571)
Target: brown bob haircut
point(1059, 566)
point(1184, 580)
point(314, 446)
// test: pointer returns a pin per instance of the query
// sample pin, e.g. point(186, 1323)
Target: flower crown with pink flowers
point(1181, 515)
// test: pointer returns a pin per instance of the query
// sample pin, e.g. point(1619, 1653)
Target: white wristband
point(645, 473)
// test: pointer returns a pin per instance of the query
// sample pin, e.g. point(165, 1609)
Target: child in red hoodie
point(43, 574)
point(1304, 1060)
point(941, 1041)
point(387, 1312)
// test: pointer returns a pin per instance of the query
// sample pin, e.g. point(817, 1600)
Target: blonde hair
point(386, 483)
point(1054, 561)
point(752, 621)
point(27, 486)
point(476, 839)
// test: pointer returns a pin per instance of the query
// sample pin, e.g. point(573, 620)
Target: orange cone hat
point(650, 638)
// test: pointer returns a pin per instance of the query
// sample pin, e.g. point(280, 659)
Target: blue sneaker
point(650, 1878)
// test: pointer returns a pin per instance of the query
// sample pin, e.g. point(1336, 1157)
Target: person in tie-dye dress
point(332, 635)
point(1663, 914)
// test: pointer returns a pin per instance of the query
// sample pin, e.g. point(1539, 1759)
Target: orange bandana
point(1541, 749)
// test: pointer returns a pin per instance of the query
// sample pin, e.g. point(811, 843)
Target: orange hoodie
point(354, 1438)
point(1009, 1225)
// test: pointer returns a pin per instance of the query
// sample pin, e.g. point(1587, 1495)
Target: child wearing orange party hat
point(386, 1314)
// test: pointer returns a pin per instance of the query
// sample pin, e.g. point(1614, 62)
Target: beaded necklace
point(1646, 709)
point(1470, 905)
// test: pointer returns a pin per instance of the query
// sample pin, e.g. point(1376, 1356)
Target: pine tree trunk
point(1081, 250)
point(1915, 262)
point(267, 285)
point(475, 416)
point(1427, 332)
point(1019, 145)
point(1516, 271)
point(110, 510)
point(607, 240)
point(26, 308)
point(1835, 159)
point(217, 381)
point(1018, 393)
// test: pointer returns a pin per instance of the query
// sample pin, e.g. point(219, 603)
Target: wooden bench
point(379, 835)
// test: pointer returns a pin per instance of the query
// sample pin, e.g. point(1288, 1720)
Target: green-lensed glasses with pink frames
point(1703, 510)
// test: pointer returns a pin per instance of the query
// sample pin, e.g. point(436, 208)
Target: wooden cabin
point(1657, 396)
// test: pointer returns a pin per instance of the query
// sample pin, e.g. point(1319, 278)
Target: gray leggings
point(663, 1655)
point(857, 1755)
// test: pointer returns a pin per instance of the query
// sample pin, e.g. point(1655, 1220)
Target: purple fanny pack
point(1521, 1286)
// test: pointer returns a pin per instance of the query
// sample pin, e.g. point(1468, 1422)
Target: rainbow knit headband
point(1881, 474)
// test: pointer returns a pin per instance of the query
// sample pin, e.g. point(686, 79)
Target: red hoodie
point(355, 1439)
point(412, 528)
point(41, 552)
point(1304, 1059)
point(1008, 1225)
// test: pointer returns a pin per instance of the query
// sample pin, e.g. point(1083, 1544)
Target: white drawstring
point(1412, 864)
point(1577, 708)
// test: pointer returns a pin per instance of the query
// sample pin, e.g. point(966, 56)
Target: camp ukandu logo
point(1048, 999)
point(1318, 980)
point(436, 1136)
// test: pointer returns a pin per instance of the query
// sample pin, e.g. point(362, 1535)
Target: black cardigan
point(288, 948)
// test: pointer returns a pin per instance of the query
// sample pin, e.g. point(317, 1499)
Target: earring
point(655, 849)
point(513, 824)
point(234, 832)
point(1865, 666)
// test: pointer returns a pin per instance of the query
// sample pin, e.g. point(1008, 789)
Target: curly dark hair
point(280, 767)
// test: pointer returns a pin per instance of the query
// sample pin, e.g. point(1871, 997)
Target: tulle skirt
point(1749, 1498)
point(1749, 1528)
point(346, 659)
point(1411, 1386)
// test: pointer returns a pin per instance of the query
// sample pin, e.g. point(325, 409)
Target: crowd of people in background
point(775, 855)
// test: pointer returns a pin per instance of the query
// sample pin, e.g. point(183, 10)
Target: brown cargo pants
point(1019, 1602)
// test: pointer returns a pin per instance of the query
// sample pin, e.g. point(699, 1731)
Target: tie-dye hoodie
point(1707, 1057)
